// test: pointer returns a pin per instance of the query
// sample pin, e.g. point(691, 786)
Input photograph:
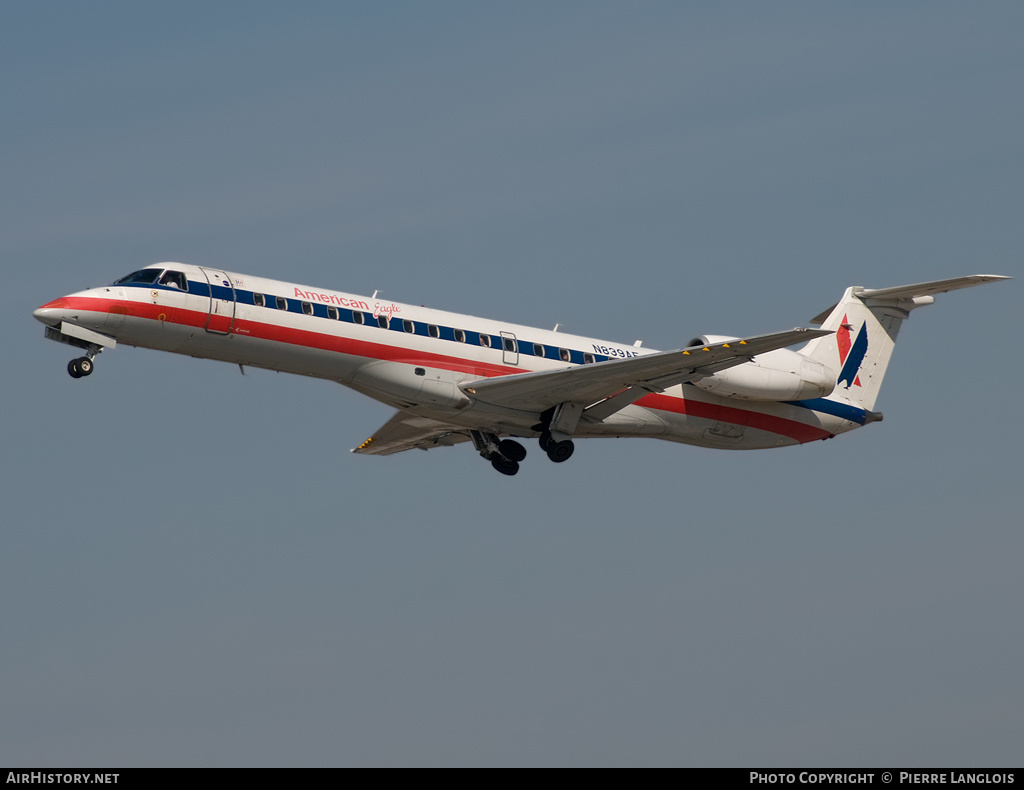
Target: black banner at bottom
point(881, 777)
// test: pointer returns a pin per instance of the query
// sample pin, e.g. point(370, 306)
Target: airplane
point(457, 378)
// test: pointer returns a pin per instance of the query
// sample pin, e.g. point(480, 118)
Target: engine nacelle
point(779, 375)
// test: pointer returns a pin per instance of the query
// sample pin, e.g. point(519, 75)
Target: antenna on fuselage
point(556, 328)
point(375, 292)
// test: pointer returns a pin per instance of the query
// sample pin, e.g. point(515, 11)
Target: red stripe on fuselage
point(291, 336)
point(798, 431)
point(793, 429)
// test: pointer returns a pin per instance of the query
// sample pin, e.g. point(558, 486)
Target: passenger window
point(588, 359)
point(485, 341)
point(538, 350)
point(433, 331)
point(460, 336)
point(509, 344)
point(563, 354)
point(357, 317)
point(257, 299)
point(408, 326)
point(307, 308)
point(382, 321)
point(332, 313)
point(282, 303)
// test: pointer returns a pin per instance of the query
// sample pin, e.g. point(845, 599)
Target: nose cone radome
point(51, 313)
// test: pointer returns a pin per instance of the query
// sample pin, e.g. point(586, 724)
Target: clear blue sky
point(196, 571)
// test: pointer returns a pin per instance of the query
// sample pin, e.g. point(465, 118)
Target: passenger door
point(222, 302)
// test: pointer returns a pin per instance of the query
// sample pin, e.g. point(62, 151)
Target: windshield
point(173, 279)
point(145, 276)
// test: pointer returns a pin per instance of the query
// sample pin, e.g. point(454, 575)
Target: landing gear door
point(222, 302)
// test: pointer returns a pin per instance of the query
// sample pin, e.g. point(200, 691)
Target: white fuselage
point(412, 358)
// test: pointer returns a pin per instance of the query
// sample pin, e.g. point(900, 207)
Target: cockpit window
point(143, 276)
point(174, 279)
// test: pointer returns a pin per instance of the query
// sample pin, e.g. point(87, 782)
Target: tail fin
point(866, 322)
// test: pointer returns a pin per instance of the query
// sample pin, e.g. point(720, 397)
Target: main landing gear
point(557, 451)
point(80, 367)
point(505, 454)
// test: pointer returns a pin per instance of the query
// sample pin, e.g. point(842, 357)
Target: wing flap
point(588, 384)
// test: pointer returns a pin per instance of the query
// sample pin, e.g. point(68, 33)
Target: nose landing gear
point(80, 367)
point(92, 343)
point(83, 366)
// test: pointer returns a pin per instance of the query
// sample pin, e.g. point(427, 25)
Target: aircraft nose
point(46, 315)
point(51, 313)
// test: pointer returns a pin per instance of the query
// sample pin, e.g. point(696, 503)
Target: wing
point(405, 431)
point(609, 386)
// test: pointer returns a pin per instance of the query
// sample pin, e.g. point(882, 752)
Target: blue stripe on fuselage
point(836, 408)
point(421, 328)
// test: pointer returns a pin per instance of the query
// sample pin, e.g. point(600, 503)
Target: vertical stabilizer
point(866, 323)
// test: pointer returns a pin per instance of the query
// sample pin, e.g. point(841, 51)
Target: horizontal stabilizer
point(914, 291)
point(927, 289)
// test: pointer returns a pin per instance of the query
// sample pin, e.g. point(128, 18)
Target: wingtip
point(364, 445)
